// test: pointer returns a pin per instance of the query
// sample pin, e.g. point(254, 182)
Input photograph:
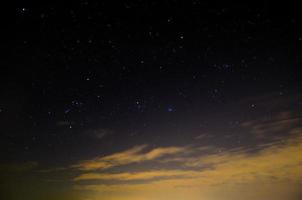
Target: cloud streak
point(145, 175)
point(133, 155)
point(276, 125)
point(277, 165)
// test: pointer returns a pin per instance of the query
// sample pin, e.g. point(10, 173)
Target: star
point(67, 110)
point(170, 109)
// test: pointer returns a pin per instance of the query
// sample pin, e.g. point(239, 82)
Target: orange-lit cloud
point(218, 176)
point(145, 175)
point(133, 155)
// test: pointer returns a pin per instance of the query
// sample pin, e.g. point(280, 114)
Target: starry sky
point(152, 100)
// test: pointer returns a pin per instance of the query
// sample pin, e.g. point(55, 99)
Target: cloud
point(145, 175)
point(99, 133)
point(277, 162)
point(271, 173)
point(133, 155)
point(280, 123)
point(201, 136)
point(271, 169)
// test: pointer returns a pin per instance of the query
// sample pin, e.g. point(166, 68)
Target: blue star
point(67, 111)
point(170, 109)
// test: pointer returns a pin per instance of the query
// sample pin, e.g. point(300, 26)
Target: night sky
point(147, 100)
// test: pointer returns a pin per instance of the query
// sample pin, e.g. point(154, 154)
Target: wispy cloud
point(133, 155)
point(201, 136)
point(278, 124)
point(99, 133)
point(272, 169)
point(144, 175)
point(277, 165)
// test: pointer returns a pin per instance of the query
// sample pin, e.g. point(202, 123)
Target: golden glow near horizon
point(270, 171)
point(259, 173)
